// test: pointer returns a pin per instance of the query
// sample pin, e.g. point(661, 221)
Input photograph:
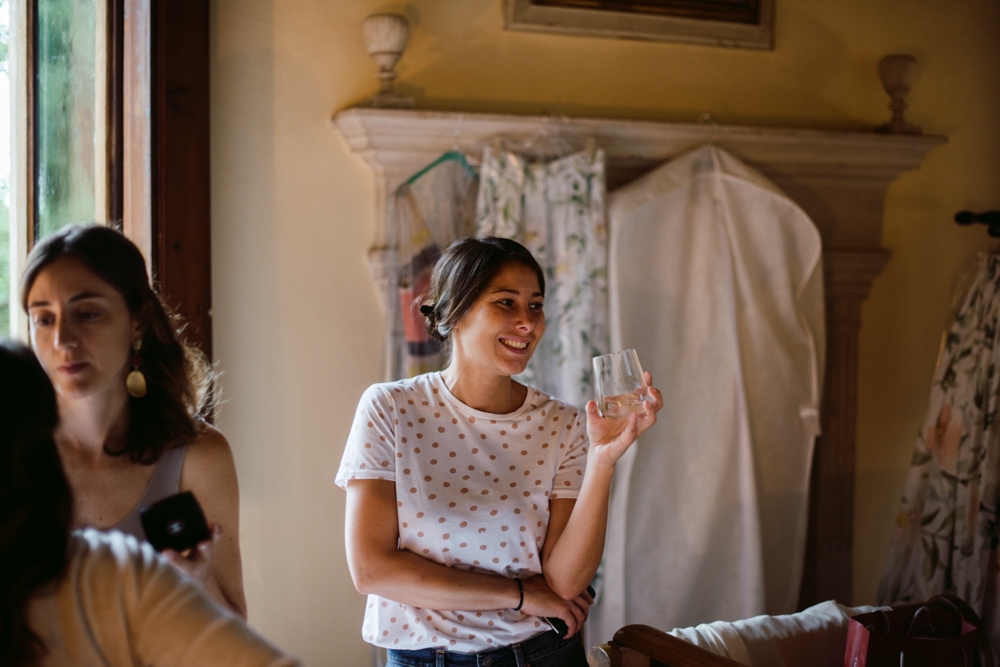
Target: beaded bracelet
point(520, 588)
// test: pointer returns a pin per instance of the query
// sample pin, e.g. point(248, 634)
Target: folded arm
point(379, 567)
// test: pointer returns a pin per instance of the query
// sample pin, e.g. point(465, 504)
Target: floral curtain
point(946, 535)
point(556, 210)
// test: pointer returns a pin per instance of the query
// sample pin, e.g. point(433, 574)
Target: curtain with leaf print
point(556, 210)
point(945, 540)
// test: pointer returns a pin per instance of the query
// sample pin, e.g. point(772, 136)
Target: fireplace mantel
point(838, 177)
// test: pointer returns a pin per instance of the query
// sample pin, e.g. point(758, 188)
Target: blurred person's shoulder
point(114, 562)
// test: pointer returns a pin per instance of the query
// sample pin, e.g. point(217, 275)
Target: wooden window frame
point(157, 146)
point(166, 176)
point(21, 68)
point(157, 143)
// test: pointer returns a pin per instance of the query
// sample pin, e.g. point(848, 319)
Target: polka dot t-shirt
point(472, 492)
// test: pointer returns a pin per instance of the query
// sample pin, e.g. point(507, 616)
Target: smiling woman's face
point(500, 332)
point(81, 329)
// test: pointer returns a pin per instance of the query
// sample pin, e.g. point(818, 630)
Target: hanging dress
point(426, 214)
point(716, 281)
point(556, 210)
point(947, 531)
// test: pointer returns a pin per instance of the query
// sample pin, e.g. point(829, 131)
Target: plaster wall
point(296, 318)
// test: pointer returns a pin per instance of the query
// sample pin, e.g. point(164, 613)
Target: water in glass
point(620, 384)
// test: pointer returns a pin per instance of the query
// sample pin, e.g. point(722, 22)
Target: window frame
point(157, 147)
point(21, 69)
point(166, 163)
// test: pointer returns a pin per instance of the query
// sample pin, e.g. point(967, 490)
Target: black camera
point(175, 523)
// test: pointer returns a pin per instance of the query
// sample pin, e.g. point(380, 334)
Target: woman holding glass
point(131, 397)
point(477, 506)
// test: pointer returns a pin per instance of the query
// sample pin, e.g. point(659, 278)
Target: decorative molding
point(848, 274)
point(396, 132)
point(839, 179)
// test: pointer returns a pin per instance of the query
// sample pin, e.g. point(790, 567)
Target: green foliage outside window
point(67, 113)
point(66, 130)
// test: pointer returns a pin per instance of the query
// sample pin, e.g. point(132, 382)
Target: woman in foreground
point(477, 506)
point(131, 397)
point(89, 598)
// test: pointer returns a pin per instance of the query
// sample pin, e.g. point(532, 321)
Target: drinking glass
point(620, 384)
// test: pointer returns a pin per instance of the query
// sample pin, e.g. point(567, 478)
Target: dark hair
point(36, 505)
point(178, 377)
point(465, 270)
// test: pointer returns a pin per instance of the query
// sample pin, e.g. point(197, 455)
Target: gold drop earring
point(135, 383)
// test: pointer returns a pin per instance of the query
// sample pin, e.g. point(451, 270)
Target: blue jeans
point(546, 649)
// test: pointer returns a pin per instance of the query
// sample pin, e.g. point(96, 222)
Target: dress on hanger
point(436, 206)
point(946, 534)
point(555, 209)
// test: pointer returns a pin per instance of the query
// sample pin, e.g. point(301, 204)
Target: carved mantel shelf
point(839, 178)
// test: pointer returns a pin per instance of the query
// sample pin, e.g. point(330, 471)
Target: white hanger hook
point(709, 118)
point(458, 132)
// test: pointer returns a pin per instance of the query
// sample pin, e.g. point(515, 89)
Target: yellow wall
point(297, 323)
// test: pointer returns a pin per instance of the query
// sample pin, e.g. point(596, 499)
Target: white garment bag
point(716, 280)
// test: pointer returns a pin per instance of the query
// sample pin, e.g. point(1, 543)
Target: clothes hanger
point(708, 118)
point(453, 155)
point(550, 140)
point(989, 218)
point(547, 142)
point(456, 156)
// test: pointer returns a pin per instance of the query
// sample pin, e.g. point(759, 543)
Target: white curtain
point(716, 280)
point(556, 210)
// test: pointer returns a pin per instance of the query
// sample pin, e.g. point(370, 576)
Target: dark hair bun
point(429, 311)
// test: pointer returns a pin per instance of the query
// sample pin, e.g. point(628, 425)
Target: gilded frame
point(530, 16)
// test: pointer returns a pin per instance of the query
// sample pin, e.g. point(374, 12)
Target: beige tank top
point(165, 482)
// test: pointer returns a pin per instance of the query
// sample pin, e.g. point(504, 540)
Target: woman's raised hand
point(609, 438)
point(196, 563)
point(539, 600)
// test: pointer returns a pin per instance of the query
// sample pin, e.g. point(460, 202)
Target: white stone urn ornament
point(898, 72)
point(385, 38)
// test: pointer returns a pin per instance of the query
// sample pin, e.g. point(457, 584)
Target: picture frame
point(743, 24)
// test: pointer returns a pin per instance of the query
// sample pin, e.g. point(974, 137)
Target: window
point(70, 114)
point(53, 129)
point(83, 76)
